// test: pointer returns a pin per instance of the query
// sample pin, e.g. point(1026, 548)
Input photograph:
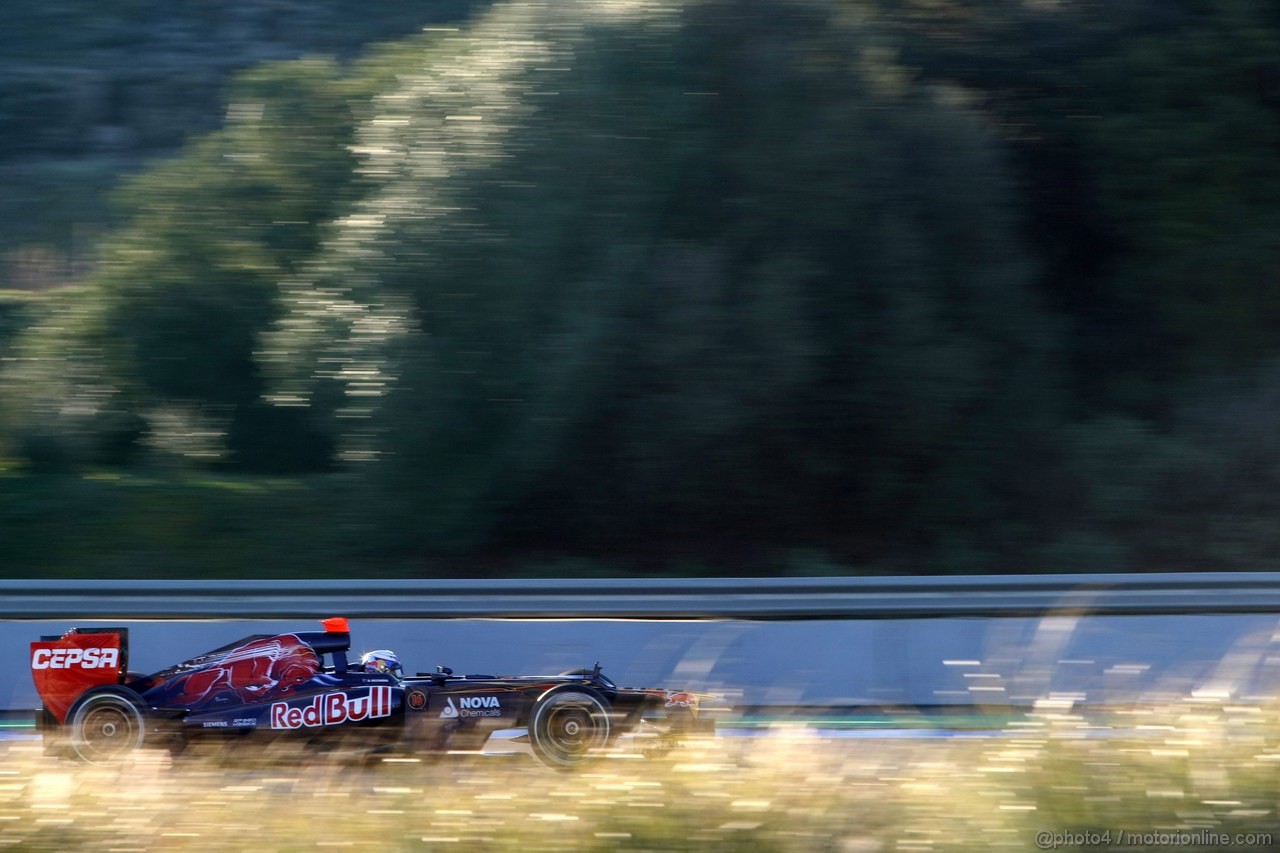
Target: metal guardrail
point(715, 598)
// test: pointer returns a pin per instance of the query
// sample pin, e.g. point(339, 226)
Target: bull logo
point(255, 672)
point(681, 699)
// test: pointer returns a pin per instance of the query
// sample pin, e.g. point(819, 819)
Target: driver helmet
point(382, 662)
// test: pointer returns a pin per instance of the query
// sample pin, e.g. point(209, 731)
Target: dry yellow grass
point(1186, 767)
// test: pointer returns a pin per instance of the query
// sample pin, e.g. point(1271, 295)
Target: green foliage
point(60, 407)
point(150, 523)
point(683, 286)
point(92, 92)
point(1185, 147)
point(190, 285)
point(1143, 135)
point(635, 269)
point(60, 234)
point(15, 312)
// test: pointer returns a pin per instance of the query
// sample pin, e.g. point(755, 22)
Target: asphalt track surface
point(859, 728)
point(820, 663)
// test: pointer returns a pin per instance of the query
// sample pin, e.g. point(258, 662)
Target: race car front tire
point(105, 726)
point(567, 726)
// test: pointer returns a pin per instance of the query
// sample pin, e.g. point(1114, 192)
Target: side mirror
point(443, 670)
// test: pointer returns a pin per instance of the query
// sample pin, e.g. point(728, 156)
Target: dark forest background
point(672, 287)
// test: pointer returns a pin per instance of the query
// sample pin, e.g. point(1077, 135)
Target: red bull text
point(331, 709)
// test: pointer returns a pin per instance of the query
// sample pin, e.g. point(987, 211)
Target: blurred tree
point(187, 286)
point(61, 404)
point(713, 280)
point(1200, 493)
point(1185, 146)
point(701, 272)
point(1143, 135)
point(192, 282)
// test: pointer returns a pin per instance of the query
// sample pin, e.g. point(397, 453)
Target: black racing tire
point(567, 726)
point(105, 726)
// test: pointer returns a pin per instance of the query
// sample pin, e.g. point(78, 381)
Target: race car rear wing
point(65, 667)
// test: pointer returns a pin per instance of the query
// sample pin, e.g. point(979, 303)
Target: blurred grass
point(1180, 768)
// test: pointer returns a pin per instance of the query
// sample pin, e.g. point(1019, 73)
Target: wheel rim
point(107, 729)
point(569, 729)
point(569, 726)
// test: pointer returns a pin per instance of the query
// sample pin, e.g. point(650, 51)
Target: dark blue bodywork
point(303, 685)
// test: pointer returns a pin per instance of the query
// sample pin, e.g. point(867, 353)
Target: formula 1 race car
point(302, 686)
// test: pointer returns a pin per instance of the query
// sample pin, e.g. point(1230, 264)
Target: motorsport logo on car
point(332, 708)
point(472, 706)
point(67, 658)
point(681, 699)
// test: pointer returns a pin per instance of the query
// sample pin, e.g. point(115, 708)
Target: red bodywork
point(68, 666)
point(257, 671)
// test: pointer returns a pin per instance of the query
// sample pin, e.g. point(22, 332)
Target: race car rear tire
point(567, 726)
point(105, 726)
